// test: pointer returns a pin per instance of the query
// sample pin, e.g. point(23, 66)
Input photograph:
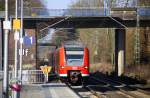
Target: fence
point(28, 76)
point(2, 14)
point(32, 77)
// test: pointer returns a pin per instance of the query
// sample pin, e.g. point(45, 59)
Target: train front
point(76, 63)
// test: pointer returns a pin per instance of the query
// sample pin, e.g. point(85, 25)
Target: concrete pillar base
point(120, 51)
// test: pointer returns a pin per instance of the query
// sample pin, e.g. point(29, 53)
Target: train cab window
point(74, 58)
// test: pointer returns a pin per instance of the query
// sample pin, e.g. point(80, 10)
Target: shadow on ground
point(131, 83)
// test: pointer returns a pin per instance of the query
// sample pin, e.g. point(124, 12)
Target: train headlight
point(85, 67)
point(62, 67)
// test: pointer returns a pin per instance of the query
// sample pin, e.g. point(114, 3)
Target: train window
point(74, 59)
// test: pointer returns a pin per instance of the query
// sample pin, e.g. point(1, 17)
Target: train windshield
point(74, 58)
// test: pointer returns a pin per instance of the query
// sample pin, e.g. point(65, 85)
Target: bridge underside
point(84, 22)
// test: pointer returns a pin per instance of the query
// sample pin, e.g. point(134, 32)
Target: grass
point(140, 72)
point(101, 67)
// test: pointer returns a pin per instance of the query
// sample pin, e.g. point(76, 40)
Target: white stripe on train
point(65, 75)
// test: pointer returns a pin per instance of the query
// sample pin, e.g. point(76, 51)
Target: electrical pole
point(16, 38)
point(21, 40)
point(6, 25)
point(137, 38)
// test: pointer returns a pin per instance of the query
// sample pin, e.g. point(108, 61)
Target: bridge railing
point(65, 12)
point(144, 11)
point(42, 12)
point(98, 12)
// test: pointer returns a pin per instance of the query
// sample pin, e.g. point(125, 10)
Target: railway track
point(84, 91)
point(123, 89)
point(107, 88)
point(87, 91)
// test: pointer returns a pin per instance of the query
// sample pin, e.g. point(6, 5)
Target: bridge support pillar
point(119, 51)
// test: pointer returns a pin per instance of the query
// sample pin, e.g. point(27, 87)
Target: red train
point(72, 63)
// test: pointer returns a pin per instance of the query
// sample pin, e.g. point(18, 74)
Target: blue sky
point(57, 4)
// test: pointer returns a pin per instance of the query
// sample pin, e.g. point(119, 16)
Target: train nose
point(74, 74)
point(74, 77)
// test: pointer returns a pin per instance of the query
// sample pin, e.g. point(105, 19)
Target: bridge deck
point(91, 12)
point(85, 18)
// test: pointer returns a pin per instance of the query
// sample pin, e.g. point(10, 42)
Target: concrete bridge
point(86, 18)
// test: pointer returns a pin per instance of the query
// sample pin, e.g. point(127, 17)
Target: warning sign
point(16, 24)
point(46, 69)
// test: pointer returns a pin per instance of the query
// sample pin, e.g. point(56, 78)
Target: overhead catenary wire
point(118, 22)
point(55, 23)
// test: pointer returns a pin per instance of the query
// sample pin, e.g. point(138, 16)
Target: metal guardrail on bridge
point(144, 11)
point(93, 12)
point(43, 12)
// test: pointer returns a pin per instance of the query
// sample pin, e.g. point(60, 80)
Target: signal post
point(46, 70)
